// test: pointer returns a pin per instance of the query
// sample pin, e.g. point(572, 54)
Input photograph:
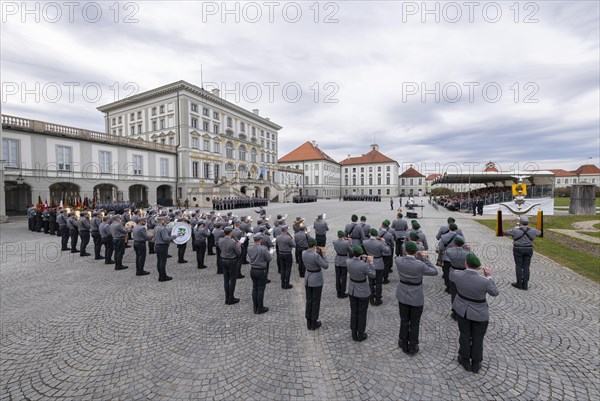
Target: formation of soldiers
point(304, 199)
point(364, 258)
point(363, 198)
point(238, 203)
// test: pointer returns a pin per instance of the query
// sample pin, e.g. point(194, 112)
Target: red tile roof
point(373, 157)
point(587, 169)
point(432, 177)
point(304, 152)
point(411, 172)
point(562, 173)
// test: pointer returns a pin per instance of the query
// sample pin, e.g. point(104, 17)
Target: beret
point(363, 218)
point(472, 260)
point(415, 224)
point(386, 223)
point(413, 236)
point(258, 237)
point(312, 242)
point(459, 239)
point(341, 233)
point(453, 226)
point(357, 249)
point(411, 247)
point(354, 217)
point(228, 230)
point(374, 232)
point(451, 220)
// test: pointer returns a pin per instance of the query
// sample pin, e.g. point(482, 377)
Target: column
point(3, 218)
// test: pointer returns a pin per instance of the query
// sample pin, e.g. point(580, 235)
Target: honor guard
point(260, 257)
point(315, 260)
point(285, 243)
point(321, 227)
point(523, 237)
point(410, 296)
point(118, 232)
point(140, 237)
point(376, 247)
point(360, 267)
point(343, 251)
point(472, 310)
point(83, 226)
point(230, 253)
point(106, 238)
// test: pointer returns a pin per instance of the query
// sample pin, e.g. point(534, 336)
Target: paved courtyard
point(75, 329)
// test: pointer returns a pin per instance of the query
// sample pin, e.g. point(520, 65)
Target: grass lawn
point(567, 202)
point(582, 263)
point(560, 222)
point(590, 233)
point(597, 226)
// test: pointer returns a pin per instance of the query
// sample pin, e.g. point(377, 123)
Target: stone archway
point(164, 195)
point(257, 192)
point(138, 194)
point(267, 192)
point(243, 190)
point(106, 193)
point(17, 197)
point(63, 190)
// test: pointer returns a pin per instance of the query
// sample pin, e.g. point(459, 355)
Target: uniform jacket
point(470, 284)
point(343, 251)
point(259, 256)
point(313, 261)
point(412, 270)
point(523, 236)
point(359, 270)
point(377, 249)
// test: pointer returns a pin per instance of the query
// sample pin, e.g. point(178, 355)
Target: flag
point(60, 206)
point(39, 203)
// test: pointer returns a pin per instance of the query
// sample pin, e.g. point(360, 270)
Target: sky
point(432, 83)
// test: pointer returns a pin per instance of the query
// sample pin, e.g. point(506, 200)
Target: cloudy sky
point(431, 83)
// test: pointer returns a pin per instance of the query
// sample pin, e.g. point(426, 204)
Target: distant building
point(585, 173)
point(321, 173)
point(370, 174)
point(412, 183)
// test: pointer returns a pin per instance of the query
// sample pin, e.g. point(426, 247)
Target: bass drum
point(184, 231)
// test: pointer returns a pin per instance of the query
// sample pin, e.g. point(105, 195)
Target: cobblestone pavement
point(75, 329)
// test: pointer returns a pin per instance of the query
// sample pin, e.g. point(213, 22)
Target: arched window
point(378, 179)
point(242, 152)
point(229, 150)
point(229, 170)
point(362, 179)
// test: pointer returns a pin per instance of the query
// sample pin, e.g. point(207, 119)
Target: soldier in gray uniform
point(416, 227)
point(375, 246)
point(354, 231)
point(210, 226)
point(140, 237)
point(162, 239)
point(238, 233)
point(218, 233)
point(359, 268)
point(445, 228)
point(301, 239)
point(200, 237)
point(314, 259)
point(61, 219)
point(46, 220)
point(83, 226)
point(95, 229)
point(151, 224)
point(523, 237)
point(472, 310)
point(410, 296)
point(321, 227)
point(231, 251)
point(73, 232)
point(193, 224)
point(387, 234)
point(366, 227)
point(400, 226)
point(457, 256)
point(285, 243)
point(259, 262)
point(343, 251)
point(246, 229)
point(118, 232)
point(445, 241)
point(106, 238)
point(276, 233)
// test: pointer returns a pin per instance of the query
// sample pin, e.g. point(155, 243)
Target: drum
point(185, 230)
point(150, 231)
point(130, 225)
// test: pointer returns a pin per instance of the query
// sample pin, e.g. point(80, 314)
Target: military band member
point(162, 239)
point(46, 221)
point(276, 233)
point(446, 228)
point(410, 296)
point(210, 226)
point(107, 241)
point(388, 260)
point(181, 247)
point(218, 233)
point(365, 227)
point(375, 246)
point(523, 237)
point(416, 227)
point(53, 224)
point(315, 260)
point(73, 232)
point(285, 243)
point(140, 237)
point(354, 231)
point(400, 227)
point(83, 226)
point(457, 255)
point(359, 269)
point(38, 220)
point(118, 232)
point(266, 241)
point(200, 236)
point(31, 218)
point(231, 251)
point(95, 230)
point(301, 239)
point(343, 251)
point(238, 234)
point(472, 310)
point(446, 240)
point(193, 224)
point(151, 224)
point(260, 257)
point(63, 230)
point(246, 229)
point(321, 227)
